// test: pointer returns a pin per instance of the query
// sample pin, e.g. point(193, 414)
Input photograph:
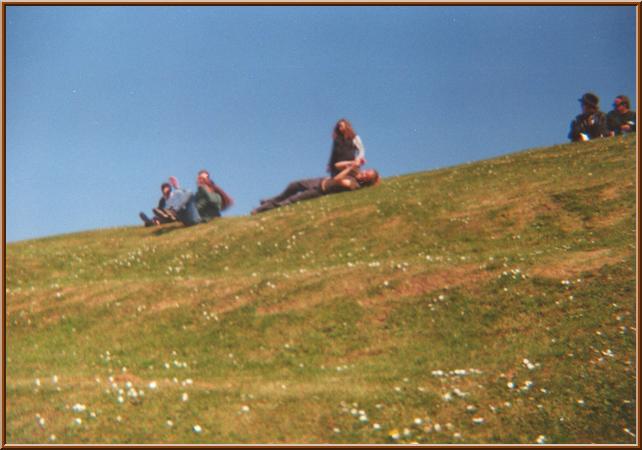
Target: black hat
point(590, 99)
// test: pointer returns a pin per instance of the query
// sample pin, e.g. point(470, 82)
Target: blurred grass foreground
point(492, 302)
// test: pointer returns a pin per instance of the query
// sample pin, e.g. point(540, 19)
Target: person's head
point(590, 102)
point(166, 189)
point(203, 175)
point(368, 177)
point(203, 179)
point(343, 128)
point(621, 103)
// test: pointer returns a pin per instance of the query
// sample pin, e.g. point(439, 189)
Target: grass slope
point(492, 302)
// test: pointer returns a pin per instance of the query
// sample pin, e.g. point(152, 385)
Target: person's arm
point(361, 150)
point(629, 125)
point(347, 167)
point(343, 164)
point(574, 133)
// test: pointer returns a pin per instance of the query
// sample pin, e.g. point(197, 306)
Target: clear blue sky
point(105, 103)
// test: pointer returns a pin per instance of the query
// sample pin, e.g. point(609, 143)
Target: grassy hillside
point(492, 302)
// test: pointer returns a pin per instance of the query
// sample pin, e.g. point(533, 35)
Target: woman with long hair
point(346, 146)
point(210, 199)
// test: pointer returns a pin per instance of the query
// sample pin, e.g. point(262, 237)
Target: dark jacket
point(342, 150)
point(208, 203)
point(614, 120)
point(592, 125)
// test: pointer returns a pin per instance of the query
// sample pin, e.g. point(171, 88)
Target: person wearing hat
point(591, 123)
point(621, 119)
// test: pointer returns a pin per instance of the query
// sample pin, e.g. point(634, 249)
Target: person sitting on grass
point(183, 204)
point(210, 199)
point(348, 179)
point(621, 120)
point(591, 124)
point(346, 146)
point(161, 213)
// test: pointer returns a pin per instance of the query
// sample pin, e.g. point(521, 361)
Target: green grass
point(412, 306)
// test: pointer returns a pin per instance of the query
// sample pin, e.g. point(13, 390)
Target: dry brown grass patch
point(575, 263)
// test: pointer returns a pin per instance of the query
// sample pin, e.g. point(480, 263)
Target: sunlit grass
point(487, 303)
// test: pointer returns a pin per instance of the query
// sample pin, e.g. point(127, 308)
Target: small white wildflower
point(363, 418)
point(78, 421)
point(245, 409)
point(153, 385)
point(54, 379)
point(510, 385)
point(541, 439)
point(376, 426)
point(437, 427)
point(37, 382)
point(447, 396)
point(471, 408)
point(52, 438)
point(121, 399)
point(580, 402)
point(197, 428)
point(418, 421)
point(478, 420)
point(169, 424)
point(336, 430)
point(184, 396)
point(78, 407)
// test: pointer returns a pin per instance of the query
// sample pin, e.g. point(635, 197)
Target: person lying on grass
point(349, 179)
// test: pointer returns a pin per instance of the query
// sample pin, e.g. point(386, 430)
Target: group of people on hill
point(178, 204)
point(346, 174)
point(593, 123)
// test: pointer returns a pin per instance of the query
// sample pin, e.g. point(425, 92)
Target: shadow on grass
point(165, 229)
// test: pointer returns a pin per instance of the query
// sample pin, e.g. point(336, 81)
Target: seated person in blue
point(621, 120)
point(183, 203)
point(349, 179)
